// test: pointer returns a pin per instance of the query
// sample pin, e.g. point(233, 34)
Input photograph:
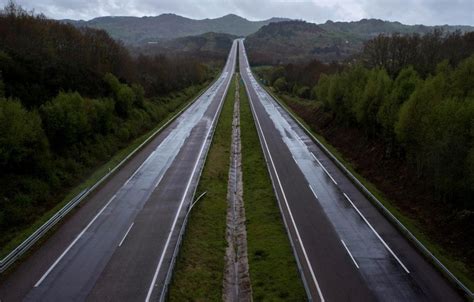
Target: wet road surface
point(119, 249)
point(346, 249)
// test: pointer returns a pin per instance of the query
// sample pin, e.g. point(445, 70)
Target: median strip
point(202, 269)
point(236, 281)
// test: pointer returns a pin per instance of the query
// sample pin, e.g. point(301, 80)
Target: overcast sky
point(429, 12)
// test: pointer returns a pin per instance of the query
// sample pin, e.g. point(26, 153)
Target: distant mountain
point(292, 41)
point(368, 28)
point(205, 46)
point(272, 41)
point(141, 30)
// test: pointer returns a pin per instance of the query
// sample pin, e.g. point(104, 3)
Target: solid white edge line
point(301, 141)
point(349, 252)
point(377, 234)
point(315, 158)
point(159, 180)
point(38, 283)
point(138, 169)
point(333, 180)
point(288, 207)
point(126, 233)
point(314, 193)
point(72, 244)
point(163, 252)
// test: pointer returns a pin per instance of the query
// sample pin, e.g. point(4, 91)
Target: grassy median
point(273, 270)
point(199, 269)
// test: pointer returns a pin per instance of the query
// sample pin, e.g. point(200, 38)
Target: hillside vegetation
point(371, 28)
point(208, 47)
point(293, 41)
point(299, 41)
point(403, 114)
point(272, 41)
point(137, 31)
point(69, 100)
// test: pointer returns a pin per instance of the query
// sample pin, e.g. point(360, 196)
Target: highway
point(346, 249)
point(118, 245)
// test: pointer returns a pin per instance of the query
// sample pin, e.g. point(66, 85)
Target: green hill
point(369, 28)
point(293, 41)
point(205, 46)
point(136, 30)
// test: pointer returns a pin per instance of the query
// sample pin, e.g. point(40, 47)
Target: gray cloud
point(428, 12)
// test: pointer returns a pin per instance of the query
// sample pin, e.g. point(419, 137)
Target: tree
point(23, 144)
point(113, 83)
point(375, 91)
point(303, 92)
point(66, 121)
point(446, 143)
point(336, 94)
point(2, 87)
point(463, 79)
point(124, 101)
point(280, 84)
point(354, 81)
point(320, 92)
point(139, 93)
point(402, 89)
point(413, 115)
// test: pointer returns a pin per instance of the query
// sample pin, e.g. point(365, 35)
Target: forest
point(402, 112)
point(69, 100)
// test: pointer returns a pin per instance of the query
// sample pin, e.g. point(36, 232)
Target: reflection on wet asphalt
point(386, 277)
point(76, 272)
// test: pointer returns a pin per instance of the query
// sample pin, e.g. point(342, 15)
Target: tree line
point(414, 92)
point(428, 121)
point(422, 52)
point(39, 57)
point(69, 100)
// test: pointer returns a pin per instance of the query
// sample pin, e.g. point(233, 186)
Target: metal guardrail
point(169, 273)
point(421, 247)
point(33, 238)
point(23, 247)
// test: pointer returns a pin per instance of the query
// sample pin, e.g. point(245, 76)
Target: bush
point(2, 87)
point(304, 92)
point(66, 120)
point(280, 84)
point(124, 101)
point(23, 144)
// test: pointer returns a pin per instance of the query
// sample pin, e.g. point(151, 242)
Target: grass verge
point(273, 270)
point(199, 269)
point(97, 174)
point(458, 268)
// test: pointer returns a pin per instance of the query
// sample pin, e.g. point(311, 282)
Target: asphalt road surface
point(118, 245)
point(346, 249)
